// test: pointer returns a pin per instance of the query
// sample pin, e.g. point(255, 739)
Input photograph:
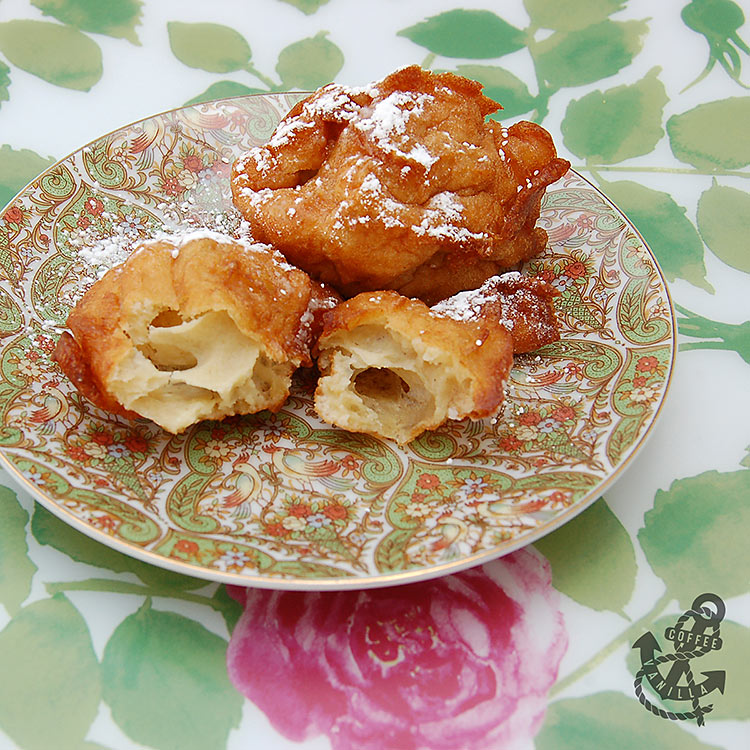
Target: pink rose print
point(463, 661)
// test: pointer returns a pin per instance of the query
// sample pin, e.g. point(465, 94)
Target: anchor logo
point(679, 684)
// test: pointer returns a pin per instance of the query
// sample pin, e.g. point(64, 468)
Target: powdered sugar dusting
point(333, 103)
point(471, 305)
point(385, 123)
point(521, 304)
point(441, 216)
point(206, 212)
point(382, 208)
point(386, 209)
point(465, 306)
point(106, 253)
point(311, 319)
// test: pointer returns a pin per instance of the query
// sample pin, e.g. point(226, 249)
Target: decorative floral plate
point(284, 500)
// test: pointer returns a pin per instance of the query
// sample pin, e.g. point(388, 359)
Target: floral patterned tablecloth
point(629, 627)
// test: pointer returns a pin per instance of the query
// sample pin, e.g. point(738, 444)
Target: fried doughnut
point(392, 368)
point(198, 328)
point(523, 304)
point(399, 185)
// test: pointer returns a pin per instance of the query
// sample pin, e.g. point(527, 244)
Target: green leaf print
point(718, 21)
point(503, 87)
point(58, 54)
point(16, 568)
point(724, 224)
point(4, 82)
point(695, 537)
point(223, 90)
point(17, 169)
point(607, 127)
point(115, 18)
point(209, 46)
point(733, 658)
point(712, 136)
point(165, 679)
point(50, 687)
point(592, 559)
point(48, 529)
point(570, 15)
point(230, 609)
point(732, 336)
point(309, 63)
point(574, 58)
point(669, 233)
point(308, 7)
point(610, 720)
point(473, 34)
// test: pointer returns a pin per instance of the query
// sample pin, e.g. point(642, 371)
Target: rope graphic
point(698, 711)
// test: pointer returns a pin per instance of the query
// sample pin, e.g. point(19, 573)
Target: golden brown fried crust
point(265, 297)
point(74, 363)
point(398, 185)
point(482, 347)
point(523, 304)
point(323, 298)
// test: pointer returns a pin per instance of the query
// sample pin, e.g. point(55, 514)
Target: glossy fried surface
point(399, 185)
point(524, 305)
point(391, 368)
point(199, 328)
point(70, 356)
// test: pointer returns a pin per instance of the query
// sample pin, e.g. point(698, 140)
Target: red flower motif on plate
point(187, 547)
point(94, 206)
point(299, 510)
point(530, 418)
point(102, 438)
point(136, 443)
point(193, 163)
point(172, 187)
point(276, 529)
point(510, 443)
point(647, 364)
point(564, 413)
point(14, 215)
point(575, 270)
point(336, 511)
point(428, 481)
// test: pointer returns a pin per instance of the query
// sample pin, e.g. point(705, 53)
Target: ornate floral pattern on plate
point(283, 500)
